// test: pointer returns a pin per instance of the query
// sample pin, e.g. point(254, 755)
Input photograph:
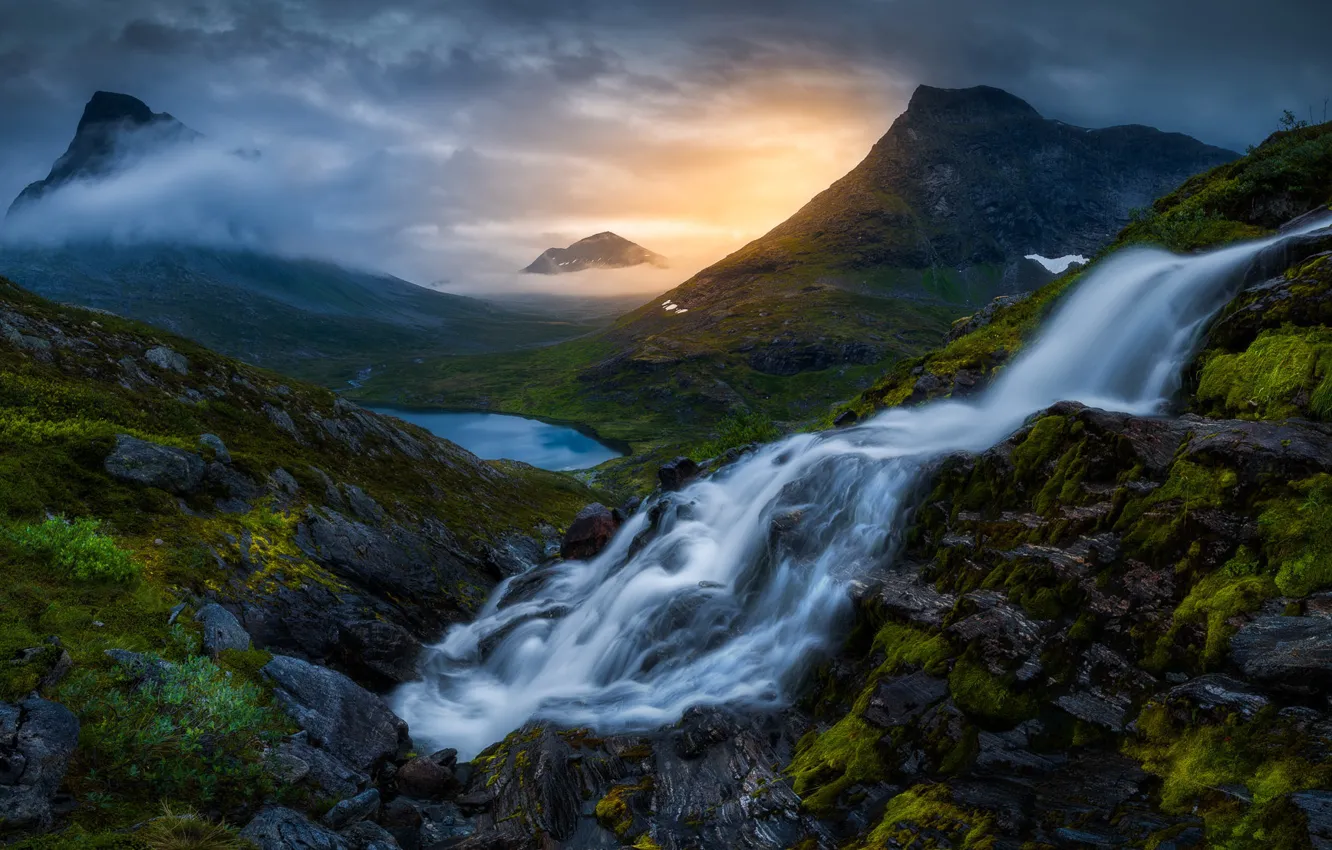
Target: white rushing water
point(717, 609)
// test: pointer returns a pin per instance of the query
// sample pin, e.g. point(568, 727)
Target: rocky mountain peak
point(99, 143)
point(604, 250)
point(978, 104)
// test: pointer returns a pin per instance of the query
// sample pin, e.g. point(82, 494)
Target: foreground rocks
point(37, 738)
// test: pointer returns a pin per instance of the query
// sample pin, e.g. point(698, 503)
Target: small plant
point(187, 830)
point(1290, 122)
point(190, 730)
point(77, 548)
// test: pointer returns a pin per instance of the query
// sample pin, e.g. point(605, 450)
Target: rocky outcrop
point(600, 251)
point(677, 474)
point(340, 716)
point(153, 465)
point(37, 738)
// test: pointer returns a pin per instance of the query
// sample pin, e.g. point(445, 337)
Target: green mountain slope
point(935, 221)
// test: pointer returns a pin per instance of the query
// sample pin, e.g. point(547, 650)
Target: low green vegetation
point(928, 810)
point(76, 549)
point(1267, 380)
point(735, 431)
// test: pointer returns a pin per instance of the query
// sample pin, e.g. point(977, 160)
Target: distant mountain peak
point(604, 250)
point(98, 144)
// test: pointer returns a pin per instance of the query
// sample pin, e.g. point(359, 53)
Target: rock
point(279, 828)
point(379, 652)
point(846, 418)
point(403, 819)
point(369, 836)
point(282, 419)
point(1293, 652)
point(164, 358)
point(1214, 691)
point(221, 630)
point(365, 508)
point(983, 317)
point(354, 810)
point(430, 777)
point(214, 442)
point(37, 738)
point(295, 760)
point(678, 473)
point(153, 465)
point(897, 702)
point(589, 533)
point(1317, 808)
point(701, 728)
point(342, 717)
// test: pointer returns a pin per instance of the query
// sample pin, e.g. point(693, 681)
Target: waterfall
point(744, 584)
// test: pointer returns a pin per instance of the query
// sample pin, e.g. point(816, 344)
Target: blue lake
point(496, 435)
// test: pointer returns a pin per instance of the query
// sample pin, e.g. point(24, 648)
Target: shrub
point(189, 731)
point(187, 830)
point(77, 549)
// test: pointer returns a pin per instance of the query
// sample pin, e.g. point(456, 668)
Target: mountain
point(936, 221)
point(307, 317)
point(600, 251)
point(113, 127)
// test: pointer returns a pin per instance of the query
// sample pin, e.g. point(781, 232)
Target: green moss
point(615, 810)
point(1297, 536)
point(916, 817)
point(989, 698)
point(844, 755)
point(1283, 372)
point(1198, 758)
point(1235, 589)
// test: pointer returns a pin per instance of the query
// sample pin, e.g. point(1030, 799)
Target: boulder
point(37, 738)
point(164, 358)
point(221, 630)
point(153, 465)
point(589, 533)
point(296, 761)
point(678, 473)
point(897, 702)
point(430, 777)
point(1293, 652)
point(352, 810)
point(279, 828)
point(219, 448)
point(1317, 808)
point(351, 723)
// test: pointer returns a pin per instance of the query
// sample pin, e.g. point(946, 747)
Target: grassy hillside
point(91, 561)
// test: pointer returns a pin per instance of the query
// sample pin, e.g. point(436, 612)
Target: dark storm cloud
point(426, 135)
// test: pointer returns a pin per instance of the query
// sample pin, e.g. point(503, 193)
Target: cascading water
point(745, 580)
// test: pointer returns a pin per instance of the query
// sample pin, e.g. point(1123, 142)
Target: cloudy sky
point(456, 139)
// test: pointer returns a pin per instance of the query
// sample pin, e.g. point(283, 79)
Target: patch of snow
point(1059, 265)
point(670, 307)
point(682, 311)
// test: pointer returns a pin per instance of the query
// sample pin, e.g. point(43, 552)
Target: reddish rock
point(430, 777)
point(589, 533)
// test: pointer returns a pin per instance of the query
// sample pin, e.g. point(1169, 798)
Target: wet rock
point(37, 738)
point(342, 717)
point(219, 448)
point(846, 419)
point(1292, 652)
point(904, 596)
point(430, 777)
point(700, 728)
point(152, 465)
point(353, 810)
point(677, 474)
point(279, 828)
point(589, 533)
point(898, 701)
point(164, 358)
point(221, 630)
